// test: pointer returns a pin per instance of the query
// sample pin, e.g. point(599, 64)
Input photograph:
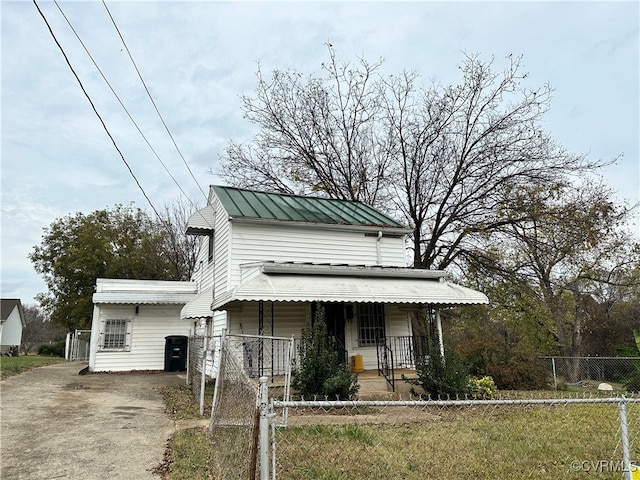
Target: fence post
point(624, 434)
point(264, 429)
point(203, 375)
point(555, 378)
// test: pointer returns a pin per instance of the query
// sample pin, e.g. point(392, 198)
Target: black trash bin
point(175, 353)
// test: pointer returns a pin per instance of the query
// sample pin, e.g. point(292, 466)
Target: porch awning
point(142, 298)
point(326, 288)
point(199, 307)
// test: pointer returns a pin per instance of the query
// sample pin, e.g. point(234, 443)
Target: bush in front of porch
point(320, 372)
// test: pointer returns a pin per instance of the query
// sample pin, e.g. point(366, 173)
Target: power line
point(122, 105)
point(94, 107)
point(151, 98)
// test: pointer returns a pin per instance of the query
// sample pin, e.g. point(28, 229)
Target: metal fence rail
point(78, 345)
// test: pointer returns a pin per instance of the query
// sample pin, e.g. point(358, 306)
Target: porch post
point(439, 327)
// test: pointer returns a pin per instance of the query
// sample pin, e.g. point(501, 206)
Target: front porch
point(276, 357)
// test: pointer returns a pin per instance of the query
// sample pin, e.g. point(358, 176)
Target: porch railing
point(402, 352)
point(385, 363)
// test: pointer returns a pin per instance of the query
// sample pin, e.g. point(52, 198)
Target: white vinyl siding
point(11, 330)
point(148, 330)
point(289, 319)
point(282, 243)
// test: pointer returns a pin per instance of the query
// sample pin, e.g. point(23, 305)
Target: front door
point(334, 314)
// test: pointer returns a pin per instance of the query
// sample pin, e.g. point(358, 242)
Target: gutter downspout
point(378, 248)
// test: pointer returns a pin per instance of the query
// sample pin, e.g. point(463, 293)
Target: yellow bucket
point(635, 472)
point(358, 364)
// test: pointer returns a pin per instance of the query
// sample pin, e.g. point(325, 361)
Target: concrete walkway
point(56, 424)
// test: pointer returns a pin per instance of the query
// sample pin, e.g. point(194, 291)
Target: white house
point(136, 325)
point(11, 323)
point(266, 259)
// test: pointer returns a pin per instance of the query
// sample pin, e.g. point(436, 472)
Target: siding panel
point(148, 331)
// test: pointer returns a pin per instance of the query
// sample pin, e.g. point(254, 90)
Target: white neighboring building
point(11, 323)
point(136, 325)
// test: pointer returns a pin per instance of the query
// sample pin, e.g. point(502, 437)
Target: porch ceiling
point(308, 288)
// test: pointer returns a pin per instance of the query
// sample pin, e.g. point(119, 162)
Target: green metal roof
point(275, 206)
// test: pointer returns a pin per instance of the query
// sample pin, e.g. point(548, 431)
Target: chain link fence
point(506, 438)
point(78, 345)
point(234, 428)
point(201, 367)
point(256, 432)
point(590, 371)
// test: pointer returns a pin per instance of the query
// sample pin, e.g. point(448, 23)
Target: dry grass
point(505, 442)
point(502, 443)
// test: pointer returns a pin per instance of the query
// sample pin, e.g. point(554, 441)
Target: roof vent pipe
point(378, 250)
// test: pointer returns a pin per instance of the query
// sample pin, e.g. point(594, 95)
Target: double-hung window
point(370, 323)
point(116, 334)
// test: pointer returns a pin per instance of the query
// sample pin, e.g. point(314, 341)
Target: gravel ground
point(55, 423)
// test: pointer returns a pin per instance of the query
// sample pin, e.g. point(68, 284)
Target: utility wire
point(151, 98)
point(123, 106)
point(94, 107)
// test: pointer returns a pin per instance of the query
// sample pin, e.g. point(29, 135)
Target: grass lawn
point(10, 366)
point(510, 442)
point(506, 442)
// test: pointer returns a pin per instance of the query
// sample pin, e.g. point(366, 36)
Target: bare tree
point(448, 159)
point(181, 249)
point(317, 135)
point(462, 152)
point(38, 330)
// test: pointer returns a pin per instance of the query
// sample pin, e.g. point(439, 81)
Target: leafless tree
point(180, 248)
point(448, 159)
point(38, 330)
point(318, 135)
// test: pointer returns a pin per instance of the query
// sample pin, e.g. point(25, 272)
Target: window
point(370, 323)
point(211, 247)
point(116, 334)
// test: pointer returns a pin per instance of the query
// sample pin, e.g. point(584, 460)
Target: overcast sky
point(198, 57)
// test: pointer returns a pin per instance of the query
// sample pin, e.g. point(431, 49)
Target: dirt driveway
point(55, 424)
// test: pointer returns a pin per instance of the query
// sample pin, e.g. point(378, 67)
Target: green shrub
point(632, 382)
point(55, 349)
point(320, 372)
point(522, 371)
point(484, 388)
point(441, 377)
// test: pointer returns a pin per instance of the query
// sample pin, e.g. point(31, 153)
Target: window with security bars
point(115, 334)
point(370, 323)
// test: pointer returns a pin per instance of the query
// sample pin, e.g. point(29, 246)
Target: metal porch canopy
point(307, 283)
